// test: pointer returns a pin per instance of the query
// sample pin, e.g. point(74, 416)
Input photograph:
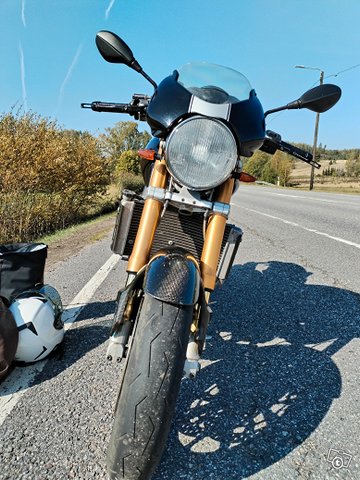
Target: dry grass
point(303, 170)
point(300, 178)
point(63, 235)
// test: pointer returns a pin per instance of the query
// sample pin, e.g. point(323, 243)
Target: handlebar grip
point(274, 142)
point(297, 152)
point(111, 107)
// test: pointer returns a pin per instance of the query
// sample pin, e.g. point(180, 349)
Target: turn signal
point(246, 177)
point(147, 154)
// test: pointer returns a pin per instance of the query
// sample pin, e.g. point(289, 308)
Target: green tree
point(270, 168)
point(122, 137)
point(255, 165)
point(269, 173)
point(128, 163)
point(282, 164)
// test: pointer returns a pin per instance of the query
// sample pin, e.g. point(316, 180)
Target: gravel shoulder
point(70, 242)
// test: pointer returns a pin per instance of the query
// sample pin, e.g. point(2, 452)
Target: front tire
point(149, 390)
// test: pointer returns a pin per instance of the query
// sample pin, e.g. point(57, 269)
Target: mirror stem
point(289, 106)
point(149, 79)
point(279, 109)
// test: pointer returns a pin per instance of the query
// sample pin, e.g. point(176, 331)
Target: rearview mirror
point(319, 99)
point(114, 50)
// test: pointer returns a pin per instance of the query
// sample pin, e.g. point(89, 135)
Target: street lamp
point(316, 124)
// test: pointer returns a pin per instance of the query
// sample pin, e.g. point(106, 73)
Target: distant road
point(279, 392)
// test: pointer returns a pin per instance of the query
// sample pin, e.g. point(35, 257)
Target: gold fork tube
point(148, 222)
point(214, 237)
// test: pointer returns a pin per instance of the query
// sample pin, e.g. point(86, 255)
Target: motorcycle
point(176, 238)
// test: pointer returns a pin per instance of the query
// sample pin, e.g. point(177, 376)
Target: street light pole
point(316, 126)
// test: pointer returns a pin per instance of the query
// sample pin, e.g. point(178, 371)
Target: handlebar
point(111, 107)
point(138, 105)
point(273, 142)
point(136, 108)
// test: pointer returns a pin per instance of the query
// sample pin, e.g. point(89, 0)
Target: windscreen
point(214, 83)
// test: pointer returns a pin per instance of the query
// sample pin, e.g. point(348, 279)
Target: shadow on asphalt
point(81, 338)
point(272, 380)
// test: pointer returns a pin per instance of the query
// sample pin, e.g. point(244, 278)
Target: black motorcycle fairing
point(171, 101)
point(248, 122)
point(173, 278)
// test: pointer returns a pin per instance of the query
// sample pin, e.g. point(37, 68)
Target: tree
point(128, 163)
point(255, 165)
point(122, 137)
point(282, 165)
point(269, 174)
point(269, 168)
point(353, 164)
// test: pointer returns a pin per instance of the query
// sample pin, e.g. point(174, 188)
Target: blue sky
point(49, 62)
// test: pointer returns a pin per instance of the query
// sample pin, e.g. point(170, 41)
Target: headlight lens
point(201, 153)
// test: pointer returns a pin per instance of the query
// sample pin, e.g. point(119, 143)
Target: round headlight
point(201, 153)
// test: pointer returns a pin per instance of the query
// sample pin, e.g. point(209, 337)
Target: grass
point(303, 170)
point(322, 183)
point(67, 232)
point(332, 188)
point(328, 184)
point(99, 235)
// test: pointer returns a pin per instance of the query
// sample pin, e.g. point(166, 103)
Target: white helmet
point(39, 325)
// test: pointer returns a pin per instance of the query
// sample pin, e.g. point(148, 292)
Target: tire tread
point(150, 386)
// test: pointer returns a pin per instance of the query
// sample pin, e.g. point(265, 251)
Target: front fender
point(173, 277)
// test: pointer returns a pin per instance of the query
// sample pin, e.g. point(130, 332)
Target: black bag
point(22, 268)
point(9, 336)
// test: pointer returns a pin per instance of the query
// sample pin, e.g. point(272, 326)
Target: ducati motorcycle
point(176, 238)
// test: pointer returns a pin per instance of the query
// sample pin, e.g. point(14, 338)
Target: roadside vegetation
point(51, 178)
point(340, 169)
point(274, 169)
point(120, 145)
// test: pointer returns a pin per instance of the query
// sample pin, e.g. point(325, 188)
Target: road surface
point(278, 394)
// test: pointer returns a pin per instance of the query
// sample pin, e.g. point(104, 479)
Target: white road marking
point(19, 381)
point(314, 199)
point(304, 197)
point(82, 298)
point(293, 224)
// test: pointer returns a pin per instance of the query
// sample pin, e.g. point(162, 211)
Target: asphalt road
point(278, 394)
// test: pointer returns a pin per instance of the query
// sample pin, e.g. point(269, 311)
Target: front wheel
point(149, 390)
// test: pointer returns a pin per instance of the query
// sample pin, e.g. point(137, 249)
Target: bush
point(128, 162)
point(121, 138)
point(270, 168)
point(49, 177)
point(353, 167)
point(129, 181)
